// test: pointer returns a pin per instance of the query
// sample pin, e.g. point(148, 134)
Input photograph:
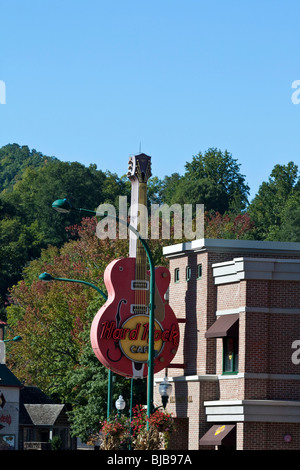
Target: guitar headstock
point(139, 166)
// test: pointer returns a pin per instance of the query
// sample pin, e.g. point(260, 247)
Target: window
point(176, 275)
point(188, 273)
point(199, 271)
point(230, 355)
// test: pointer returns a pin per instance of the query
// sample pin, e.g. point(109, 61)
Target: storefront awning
point(219, 434)
point(226, 325)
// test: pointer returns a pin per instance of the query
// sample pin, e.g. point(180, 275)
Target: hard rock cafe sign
point(120, 329)
point(133, 337)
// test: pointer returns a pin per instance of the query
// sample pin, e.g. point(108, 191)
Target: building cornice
point(189, 378)
point(244, 268)
point(271, 310)
point(232, 246)
point(269, 411)
point(240, 375)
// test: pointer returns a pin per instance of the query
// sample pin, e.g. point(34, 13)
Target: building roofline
point(226, 245)
point(7, 378)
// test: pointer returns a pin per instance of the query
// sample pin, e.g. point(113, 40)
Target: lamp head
point(120, 403)
point(165, 390)
point(17, 338)
point(62, 205)
point(46, 277)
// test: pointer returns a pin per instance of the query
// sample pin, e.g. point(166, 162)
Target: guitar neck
point(141, 257)
point(139, 172)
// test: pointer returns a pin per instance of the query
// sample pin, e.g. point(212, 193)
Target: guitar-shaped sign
point(120, 329)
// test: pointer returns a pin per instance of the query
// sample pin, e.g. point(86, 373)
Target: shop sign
point(133, 337)
point(125, 349)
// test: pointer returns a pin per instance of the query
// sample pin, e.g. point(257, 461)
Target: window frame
point(199, 268)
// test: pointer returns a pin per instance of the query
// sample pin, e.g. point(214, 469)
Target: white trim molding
point(268, 411)
point(230, 311)
point(226, 245)
point(189, 378)
point(243, 268)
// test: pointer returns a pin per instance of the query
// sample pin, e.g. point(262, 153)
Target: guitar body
point(120, 329)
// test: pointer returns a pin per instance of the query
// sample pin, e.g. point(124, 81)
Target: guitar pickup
point(139, 284)
point(141, 309)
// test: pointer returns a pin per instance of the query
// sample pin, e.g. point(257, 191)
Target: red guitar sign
point(120, 329)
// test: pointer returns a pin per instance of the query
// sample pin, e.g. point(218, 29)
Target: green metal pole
point(109, 392)
point(86, 283)
point(151, 334)
point(130, 411)
point(63, 205)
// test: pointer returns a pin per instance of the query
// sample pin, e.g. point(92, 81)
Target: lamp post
point(48, 278)
point(64, 206)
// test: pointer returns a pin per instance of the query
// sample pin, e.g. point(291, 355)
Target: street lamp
point(165, 390)
point(120, 405)
point(64, 206)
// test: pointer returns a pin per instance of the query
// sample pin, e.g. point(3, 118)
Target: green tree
point(290, 219)
point(276, 205)
point(228, 225)
point(168, 186)
point(212, 179)
point(14, 159)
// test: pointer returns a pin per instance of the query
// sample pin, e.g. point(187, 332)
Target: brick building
point(236, 375)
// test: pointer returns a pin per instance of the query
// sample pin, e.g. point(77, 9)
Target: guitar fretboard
point(139, 171)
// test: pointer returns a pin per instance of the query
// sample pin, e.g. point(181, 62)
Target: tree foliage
point(14, 159)
point(229, 225)
point(212, 179)
point(275, 208)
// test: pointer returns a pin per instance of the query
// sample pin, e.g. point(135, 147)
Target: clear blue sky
point(89, 80)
